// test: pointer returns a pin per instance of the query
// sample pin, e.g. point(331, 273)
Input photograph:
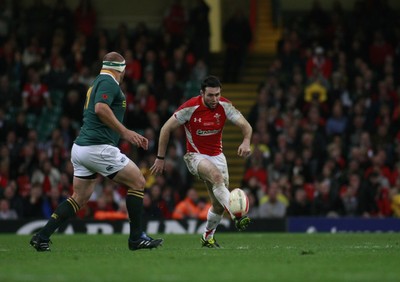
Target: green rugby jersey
point(105, 89)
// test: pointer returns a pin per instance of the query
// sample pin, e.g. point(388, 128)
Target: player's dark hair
point(210, 81)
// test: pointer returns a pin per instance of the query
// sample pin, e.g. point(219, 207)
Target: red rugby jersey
point(203, 126)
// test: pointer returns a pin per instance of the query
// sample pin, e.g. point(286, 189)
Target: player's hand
point(136, 138)
point(244, 150)
point(157, 167)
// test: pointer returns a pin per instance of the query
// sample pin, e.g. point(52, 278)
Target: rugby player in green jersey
point(95, 152)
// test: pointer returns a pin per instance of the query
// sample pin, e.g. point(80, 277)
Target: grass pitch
point(244, 257)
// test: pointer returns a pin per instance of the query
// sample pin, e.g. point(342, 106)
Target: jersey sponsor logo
point(207, 132)
point(110, 167)
point(122, 159)
point(197, 119)
point(124, 104)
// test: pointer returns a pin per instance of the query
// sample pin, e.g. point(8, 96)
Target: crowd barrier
point(191, 226)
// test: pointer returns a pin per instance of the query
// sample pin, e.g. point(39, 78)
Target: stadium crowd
point(326, 136)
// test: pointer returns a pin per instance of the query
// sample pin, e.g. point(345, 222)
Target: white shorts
point(103, 159)
point(192, 161)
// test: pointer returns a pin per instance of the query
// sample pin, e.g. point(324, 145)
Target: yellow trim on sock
point(136, 193)
point(74, 204)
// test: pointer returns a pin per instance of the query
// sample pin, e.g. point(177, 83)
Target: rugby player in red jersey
point(203, 118)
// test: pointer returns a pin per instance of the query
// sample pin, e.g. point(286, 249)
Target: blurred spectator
point(272, 207)
point(169, 200)
point(14, 146)
point(199, 71)
point(61, 19)
point(51, 201)
point(277, 168)
point(20, 126)
point(32, 56)
point(355, 196)
point(63, 145)
point(150, 210)
point(58, 76)
point(27, 160)
point(152, 65)
point(47, 175)
point(133, 69)
point(79, 59)
point(175, 22)
point(199, 26)
point(326, 201)
point(8, 96)
point(288, 53)
point(164, 111)
point(73, 107)
point(119, 214)
point(379, 50)
point(173, 178)
point(395, 198)
point(76, 83)
point(14, 200)
point(37, 20)
point(299, 205)
point(258, 146)
point(85, 17)
point(6, 213)
point(33, 202)
point(175, 157)
point(379, 204)
point(35, 94)
point(171, 90)
point(122, 39)
point(65, 185)
point(146, 100)
point(256, 169)
point(10, 60)
point(319, 65)
point(253, 205)
point(317, 15)
point(136, 117)
point(188, 207)
point(237, 37)
point(179, 65)
point(336, 124)
point(5, 20)
point(4, 167)
point(261, 105)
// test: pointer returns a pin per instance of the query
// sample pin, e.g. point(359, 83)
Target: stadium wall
point(291, 224)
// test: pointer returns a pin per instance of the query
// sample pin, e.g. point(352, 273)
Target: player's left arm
point(244, 148)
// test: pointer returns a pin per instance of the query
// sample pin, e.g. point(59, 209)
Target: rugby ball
point(238, 203)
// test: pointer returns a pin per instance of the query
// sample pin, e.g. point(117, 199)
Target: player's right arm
point(165, 133)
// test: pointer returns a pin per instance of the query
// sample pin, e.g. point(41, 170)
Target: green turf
point(244, 257)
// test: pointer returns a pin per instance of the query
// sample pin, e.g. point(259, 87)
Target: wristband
point(160, 158)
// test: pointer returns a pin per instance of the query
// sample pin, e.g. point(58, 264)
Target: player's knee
point(217, 178)
point(140, 183)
